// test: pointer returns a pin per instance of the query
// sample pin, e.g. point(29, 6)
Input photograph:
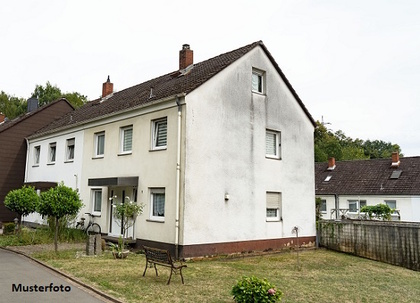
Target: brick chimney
point(331, 163)
point(395, 159)
point(2, 117)
point(107, 88)
point(185, 56)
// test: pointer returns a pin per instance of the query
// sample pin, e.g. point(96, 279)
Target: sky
point(355, 64)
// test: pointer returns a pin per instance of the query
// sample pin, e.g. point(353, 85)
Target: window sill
point(35, 165)
point(157, 149)
point(273, 220)
point(97, 157)
point(272, 158)
point(52, 163)
point(155, 220)
point(125, 154)
point(69, 161)
point(258, 93)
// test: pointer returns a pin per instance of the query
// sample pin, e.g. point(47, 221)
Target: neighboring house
point(220, 152)
point(346, 186)
point(13, 146)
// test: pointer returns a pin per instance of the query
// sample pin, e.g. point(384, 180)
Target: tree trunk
point(56, 235)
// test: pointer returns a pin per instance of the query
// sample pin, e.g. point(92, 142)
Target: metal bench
point(162, 257)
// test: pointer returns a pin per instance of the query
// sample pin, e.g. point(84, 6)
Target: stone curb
point(73, 279)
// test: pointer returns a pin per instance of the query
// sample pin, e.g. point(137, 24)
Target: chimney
point(185, 56)
point(32, 104)
point(107, 88)
point(331, 163)
point(395, 159)
point(2, 117)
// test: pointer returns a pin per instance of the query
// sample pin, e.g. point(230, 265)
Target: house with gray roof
point(220, 153)
point(346, 186)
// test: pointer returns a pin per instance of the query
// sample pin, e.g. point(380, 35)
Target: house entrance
point(117, 196)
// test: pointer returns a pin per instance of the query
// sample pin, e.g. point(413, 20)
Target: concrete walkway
point(24, 280)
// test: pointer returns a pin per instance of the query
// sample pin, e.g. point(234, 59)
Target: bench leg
point(170, 276)
point(182, 278)
point(145, 270)
point(155, 269)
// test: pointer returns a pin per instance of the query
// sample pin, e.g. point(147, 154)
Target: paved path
point(24, 280)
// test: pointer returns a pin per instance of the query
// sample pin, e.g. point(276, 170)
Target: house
point(220, 153)
point(13, 145)
point(346, 186)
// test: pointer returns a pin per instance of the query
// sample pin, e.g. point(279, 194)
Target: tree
point(23, 201)
point(58, 202)
point(48, 93)
point(12, 107)
point(126, 215)
point(338, 145)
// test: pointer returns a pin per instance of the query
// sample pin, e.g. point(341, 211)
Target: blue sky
point(354, 63)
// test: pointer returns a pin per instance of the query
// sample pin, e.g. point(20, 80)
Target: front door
point(117, 195)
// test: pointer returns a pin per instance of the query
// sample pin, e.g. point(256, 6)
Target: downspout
point(337, 215)
point(178, 178)
point(27, 161)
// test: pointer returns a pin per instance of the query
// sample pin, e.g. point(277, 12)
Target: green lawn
point(323, 276)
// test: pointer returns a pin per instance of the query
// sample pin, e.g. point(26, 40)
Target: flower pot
point(120, 255)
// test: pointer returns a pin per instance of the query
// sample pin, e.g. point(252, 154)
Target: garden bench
point(162, 257)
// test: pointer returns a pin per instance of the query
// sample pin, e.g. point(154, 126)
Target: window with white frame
point(70, 145)
point(52, 152)
point(159, 133)
point(157, 204)
point(272, 144)
point(96, 201)
point(323, 207)
point(356, 205)
point(37, 154)
point(126, 134)
point(99, 144)
point(392, 204)
point(257, 81)
point(273, 206)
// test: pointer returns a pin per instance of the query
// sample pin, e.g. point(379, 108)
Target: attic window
point(328, 178)
point(396, 174)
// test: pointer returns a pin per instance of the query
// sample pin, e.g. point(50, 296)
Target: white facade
point(408, 206)
point(219, 180)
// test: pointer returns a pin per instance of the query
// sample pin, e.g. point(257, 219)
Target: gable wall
point(225, 154)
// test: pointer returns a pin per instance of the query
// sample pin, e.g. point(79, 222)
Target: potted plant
point(126, 214)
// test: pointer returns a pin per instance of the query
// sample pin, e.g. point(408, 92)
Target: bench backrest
point(158, 255)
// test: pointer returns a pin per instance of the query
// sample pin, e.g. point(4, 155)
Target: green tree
point(48, 93)
point(58, 202)
point(12, 107)
point(23, 201)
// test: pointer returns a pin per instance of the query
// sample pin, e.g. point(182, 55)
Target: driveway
point(24, 280)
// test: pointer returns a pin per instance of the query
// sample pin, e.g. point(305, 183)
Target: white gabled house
point(220, 152)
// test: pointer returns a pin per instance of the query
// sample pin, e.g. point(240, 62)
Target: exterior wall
point(409, 207)
point(155, 169)
point(68, 172)
point(13, 153)
point(225, 148)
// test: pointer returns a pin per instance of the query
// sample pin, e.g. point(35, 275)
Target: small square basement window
point(396, 174)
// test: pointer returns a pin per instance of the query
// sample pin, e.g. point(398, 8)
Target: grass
point(323, 276)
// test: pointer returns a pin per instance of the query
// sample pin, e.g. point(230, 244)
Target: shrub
point(380, 211)
point(8, 228)
point(252, 289)
point(22, 201)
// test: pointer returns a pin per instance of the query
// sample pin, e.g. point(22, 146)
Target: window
point(323, 208)
point(160, 134)
point(391, 203)
point(99, 144)
point(272, 144)
point(70, 149)
point(356, 205)
point(126, 139)
point(273, 206)
point(157, 209)
point(37, 154)
point(52, 152)
point(257, 81)
point(97, 201)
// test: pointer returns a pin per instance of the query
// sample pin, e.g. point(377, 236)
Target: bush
point(380, 211)
point(8, 228)
point(252, 289)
